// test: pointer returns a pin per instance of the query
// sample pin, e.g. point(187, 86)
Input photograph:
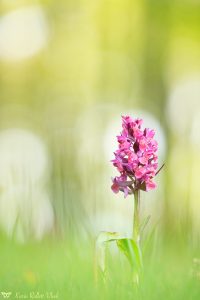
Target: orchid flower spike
point(136, 158)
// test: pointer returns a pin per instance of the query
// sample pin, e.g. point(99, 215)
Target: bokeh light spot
point(23, 32)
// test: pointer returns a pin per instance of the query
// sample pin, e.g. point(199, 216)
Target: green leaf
point(132, 251)
point(127, 246)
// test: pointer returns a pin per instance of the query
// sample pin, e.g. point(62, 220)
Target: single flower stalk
point(136, 160)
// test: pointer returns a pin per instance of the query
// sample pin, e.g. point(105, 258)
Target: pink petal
point(143, 160)
point(149, 133)
point(115, 188)
point(142, 144)
point(140, 172)
point(125, 192)
point(150, 185)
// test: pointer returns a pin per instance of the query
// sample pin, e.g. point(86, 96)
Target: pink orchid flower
point(136, 158)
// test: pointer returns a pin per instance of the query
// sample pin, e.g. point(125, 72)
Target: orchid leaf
point(132, 251)
point(127, 246)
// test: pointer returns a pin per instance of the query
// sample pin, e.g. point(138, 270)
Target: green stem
point(136, 220)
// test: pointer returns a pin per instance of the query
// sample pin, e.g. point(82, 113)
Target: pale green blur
point(68, 70)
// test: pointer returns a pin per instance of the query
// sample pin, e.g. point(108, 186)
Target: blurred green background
point(68, 70)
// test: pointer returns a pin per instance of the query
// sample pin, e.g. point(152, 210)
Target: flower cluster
point(136, 158)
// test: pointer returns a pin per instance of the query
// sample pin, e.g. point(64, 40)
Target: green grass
point(66, 269)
